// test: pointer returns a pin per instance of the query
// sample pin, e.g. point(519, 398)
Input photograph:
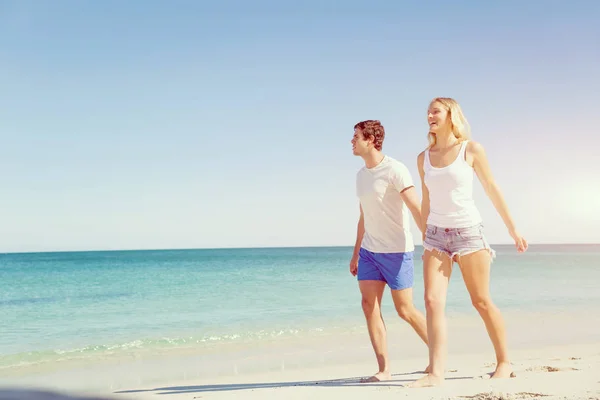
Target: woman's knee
point(482, 304)
point(434, 303)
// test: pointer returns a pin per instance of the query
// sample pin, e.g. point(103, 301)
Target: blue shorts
point(396, 269)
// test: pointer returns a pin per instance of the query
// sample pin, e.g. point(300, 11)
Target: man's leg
point(403, 301)
point(372, 292)
point(372, 285)
point(398, 270)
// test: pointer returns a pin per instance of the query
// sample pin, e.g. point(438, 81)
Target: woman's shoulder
point(474, 152)
point(421, 156)
point(425, 151)
point(421, 159)
point(475, 147)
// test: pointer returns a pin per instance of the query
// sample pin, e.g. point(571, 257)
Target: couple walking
point(452, 232)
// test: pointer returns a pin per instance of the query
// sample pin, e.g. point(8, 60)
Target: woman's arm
point(484, 174)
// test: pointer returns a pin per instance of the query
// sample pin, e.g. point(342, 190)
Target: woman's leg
point(475, 269)
point(437, 268)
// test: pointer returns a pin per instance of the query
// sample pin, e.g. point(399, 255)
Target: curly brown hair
point(372, 128)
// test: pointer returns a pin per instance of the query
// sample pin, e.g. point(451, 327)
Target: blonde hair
point(460, 125)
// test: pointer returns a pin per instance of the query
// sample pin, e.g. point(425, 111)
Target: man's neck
point(373, 158)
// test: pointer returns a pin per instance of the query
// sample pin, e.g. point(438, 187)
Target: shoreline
point(304, 336)
point(330, 355)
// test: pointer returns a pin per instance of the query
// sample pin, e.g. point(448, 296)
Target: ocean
point(67, 306)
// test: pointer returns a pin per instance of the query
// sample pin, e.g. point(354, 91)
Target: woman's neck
point(445, 139)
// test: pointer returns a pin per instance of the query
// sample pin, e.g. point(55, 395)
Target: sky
point(188, 124)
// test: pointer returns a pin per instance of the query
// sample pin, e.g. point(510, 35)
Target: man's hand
point(354, 265)
point(410, 198)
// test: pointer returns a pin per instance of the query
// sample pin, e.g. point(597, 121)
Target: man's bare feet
point(428, 369)
point(378, 377)
point(503, 370)
point(426, 381)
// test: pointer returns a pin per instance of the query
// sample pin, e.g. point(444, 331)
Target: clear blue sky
point(172, 124)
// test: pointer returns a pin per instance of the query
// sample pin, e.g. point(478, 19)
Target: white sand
point(571, 372)
point(554, 355)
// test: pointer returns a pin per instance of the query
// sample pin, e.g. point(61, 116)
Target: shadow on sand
point(356, 381)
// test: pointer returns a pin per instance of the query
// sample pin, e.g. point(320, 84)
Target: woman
point(454, 232)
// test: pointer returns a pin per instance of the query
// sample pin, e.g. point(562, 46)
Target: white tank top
point(450, 188)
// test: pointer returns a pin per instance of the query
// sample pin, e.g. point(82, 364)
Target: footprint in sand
point(529, 395)
point(570, 358)
point(504, 396)
point(547, 368)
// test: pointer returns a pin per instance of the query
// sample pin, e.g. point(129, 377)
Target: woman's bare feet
point(426, 381)
point(503, 370)
point(378, 377)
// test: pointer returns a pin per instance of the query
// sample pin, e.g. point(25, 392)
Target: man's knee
point(368, 304)
point(405, 311)
point(403, 302)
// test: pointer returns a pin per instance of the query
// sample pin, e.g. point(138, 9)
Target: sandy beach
point(564, 372)
point(555, 356)
point(570, 372)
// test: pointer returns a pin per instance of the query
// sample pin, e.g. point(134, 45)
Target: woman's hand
point(520, 241)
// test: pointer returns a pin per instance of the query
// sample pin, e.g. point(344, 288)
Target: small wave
point(139, 346)
point(48, 300)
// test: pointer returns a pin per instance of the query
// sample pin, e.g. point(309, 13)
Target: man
point(383, 253)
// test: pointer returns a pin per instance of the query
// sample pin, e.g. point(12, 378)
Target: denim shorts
point(456, 241)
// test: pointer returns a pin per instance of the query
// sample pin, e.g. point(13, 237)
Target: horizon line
point(257, 247)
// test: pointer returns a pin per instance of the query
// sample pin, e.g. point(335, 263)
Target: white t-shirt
point(386, 217)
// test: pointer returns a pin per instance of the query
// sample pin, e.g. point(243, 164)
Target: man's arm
point(360, 231)
point(410, 198)
point(403, 182)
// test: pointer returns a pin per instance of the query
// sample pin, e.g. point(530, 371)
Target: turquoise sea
point(86, 305)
